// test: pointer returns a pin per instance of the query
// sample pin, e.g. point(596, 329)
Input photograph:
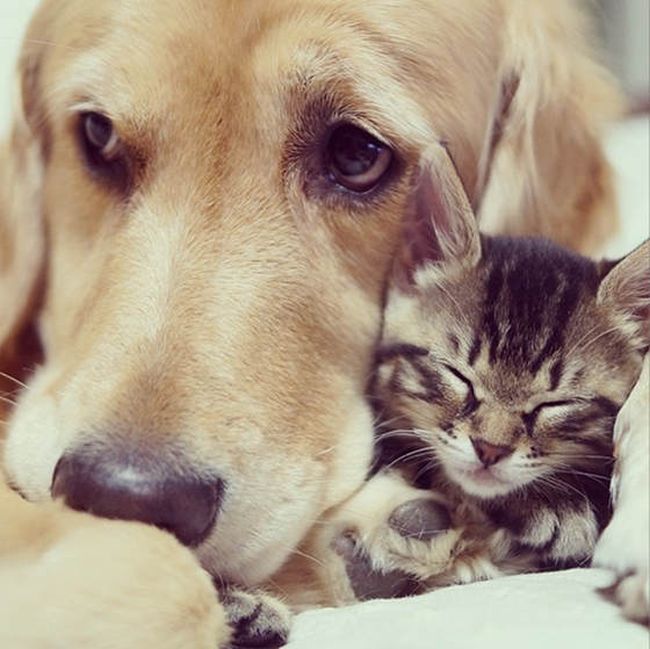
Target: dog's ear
point(625, 289)
point(543, 169)
point(22, 239)
point(440, 228)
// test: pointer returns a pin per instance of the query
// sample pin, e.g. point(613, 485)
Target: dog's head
point(199, 206)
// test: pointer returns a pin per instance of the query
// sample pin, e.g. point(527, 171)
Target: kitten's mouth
point(482, 475)
point(481, 481)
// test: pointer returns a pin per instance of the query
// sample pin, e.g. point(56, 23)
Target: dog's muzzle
point(134, 485)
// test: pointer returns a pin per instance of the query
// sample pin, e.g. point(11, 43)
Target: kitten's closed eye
point(548, 409)
point(466, 385)
point(560, 411)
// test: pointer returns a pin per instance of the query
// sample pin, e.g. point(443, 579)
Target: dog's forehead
point(152, 62)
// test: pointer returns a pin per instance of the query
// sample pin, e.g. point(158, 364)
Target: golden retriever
point(199, 203)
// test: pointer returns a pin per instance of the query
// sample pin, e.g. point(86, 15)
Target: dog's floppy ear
point(543, 170)
point(440, 227)
point(22, 239)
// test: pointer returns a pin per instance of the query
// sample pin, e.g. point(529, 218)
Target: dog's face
point(221, 186)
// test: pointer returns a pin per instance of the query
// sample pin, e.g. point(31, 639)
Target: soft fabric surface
point(560, 610)
point(546, 611)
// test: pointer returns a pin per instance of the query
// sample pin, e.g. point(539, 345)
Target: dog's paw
point(623, 546)
point(631, 593)
point(257, 620)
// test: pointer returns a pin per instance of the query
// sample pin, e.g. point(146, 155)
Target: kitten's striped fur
point(509, 358)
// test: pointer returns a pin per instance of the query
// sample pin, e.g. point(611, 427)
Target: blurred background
point(624, 27)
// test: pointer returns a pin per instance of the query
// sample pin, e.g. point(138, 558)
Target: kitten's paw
point(257, 620)
point(365, 579)
point(393, 536)
point(574, 536)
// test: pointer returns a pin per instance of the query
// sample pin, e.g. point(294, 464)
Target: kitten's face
point(509, 369)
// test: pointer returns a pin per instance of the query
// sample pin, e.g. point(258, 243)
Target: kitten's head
point(510, 357)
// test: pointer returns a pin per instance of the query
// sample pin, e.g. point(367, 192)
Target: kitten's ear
point(440, 227)
point(626, 289)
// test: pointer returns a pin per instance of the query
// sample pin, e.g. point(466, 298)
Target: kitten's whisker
point(379, 423)
point(429, 466)
point(591, 476)
point(580, 455)
point(421, 433)
point(407, 433)
point(457, 306)
point(562, 485)
point(412, 456)
point(580, 341)
point(595, 339)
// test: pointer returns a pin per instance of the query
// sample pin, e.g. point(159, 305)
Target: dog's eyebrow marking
point(318, 70)
point(87, 106)
point(84, 72)
point(84, 84)
point(380, 109)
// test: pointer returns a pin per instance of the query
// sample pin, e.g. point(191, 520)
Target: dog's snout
point(139, 488)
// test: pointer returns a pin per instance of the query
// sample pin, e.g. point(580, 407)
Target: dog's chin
point(235, 553)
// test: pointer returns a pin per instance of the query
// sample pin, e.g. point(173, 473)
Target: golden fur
point(231, 305)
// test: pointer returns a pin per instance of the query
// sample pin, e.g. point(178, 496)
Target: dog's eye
point(357, 160)
point(103, 150)
point(100, 136)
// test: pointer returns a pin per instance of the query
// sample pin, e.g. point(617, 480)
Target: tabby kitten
point(509, 360)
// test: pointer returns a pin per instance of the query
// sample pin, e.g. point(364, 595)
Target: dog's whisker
point(327, 451)
point(293, 550)
point(308, 556)
point(13, 379)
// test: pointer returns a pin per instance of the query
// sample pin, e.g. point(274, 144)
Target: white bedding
point(559, 610)
point(546, 611)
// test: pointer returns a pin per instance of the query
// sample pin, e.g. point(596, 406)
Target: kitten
point(508, 360)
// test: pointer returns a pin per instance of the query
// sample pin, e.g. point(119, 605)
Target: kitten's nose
point(489, 454)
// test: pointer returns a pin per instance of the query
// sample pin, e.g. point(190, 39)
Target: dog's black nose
point(137, 487)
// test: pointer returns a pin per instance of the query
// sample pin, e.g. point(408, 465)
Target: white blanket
point(558, 610)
